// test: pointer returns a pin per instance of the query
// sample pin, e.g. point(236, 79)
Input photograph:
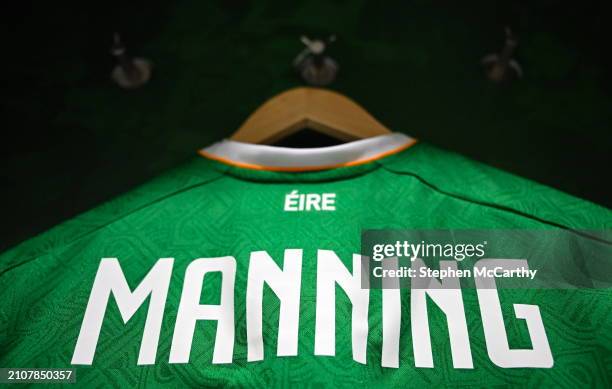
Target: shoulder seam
point(500, 207)
point(162, 198)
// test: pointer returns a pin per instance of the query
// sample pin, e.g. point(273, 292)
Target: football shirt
point(241, 268)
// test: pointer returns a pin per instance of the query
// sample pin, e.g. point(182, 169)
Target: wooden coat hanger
point(319, 109)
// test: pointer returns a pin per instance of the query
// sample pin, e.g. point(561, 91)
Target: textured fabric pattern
point(206, 209)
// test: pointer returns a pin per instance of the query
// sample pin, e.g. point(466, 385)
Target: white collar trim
point(263, 157)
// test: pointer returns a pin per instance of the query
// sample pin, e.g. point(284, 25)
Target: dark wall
point(72, 139)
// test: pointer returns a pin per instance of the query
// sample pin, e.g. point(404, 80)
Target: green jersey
point(240, 268)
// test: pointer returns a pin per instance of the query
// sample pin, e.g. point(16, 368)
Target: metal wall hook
point(503, 66)
point(129, 73)
point(313, 65)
